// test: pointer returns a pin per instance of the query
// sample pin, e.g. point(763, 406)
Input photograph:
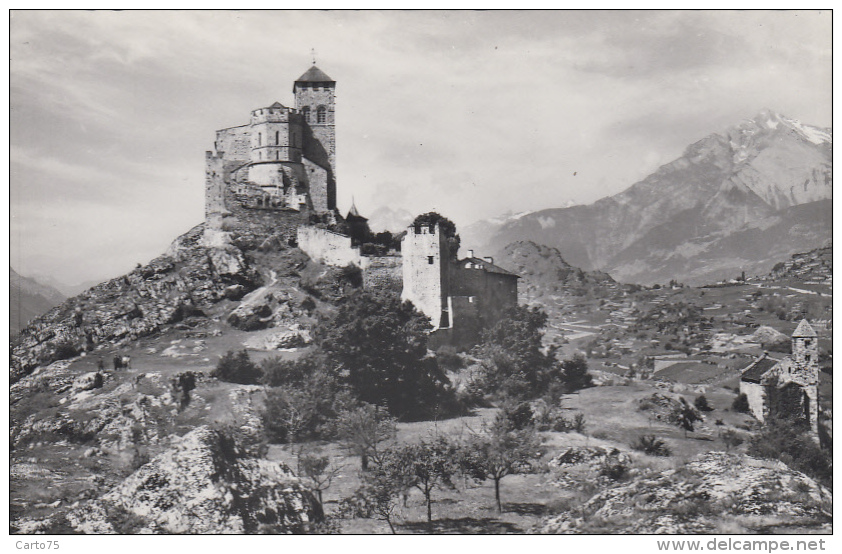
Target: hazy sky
point(470, 113)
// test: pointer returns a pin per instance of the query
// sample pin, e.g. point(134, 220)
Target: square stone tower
point(425, 272)
point(804, 369)
point(315, 95)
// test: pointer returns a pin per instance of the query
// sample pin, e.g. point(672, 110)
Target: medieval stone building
point(276, 175)
point(801, 370)
point(283, 159)
point(460, 296)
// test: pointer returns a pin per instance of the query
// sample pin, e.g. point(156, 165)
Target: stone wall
point(327, 247)
point(321, 187)
point(756, 398)
point(234, 142)
point(381, 272)
point(214, 189)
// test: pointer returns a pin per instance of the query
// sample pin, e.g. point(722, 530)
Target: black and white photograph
point(422, 272)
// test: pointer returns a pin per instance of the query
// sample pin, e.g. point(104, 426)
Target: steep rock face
point(723, 185)
point(204, 484)
point(167, 289)
point(715, 493)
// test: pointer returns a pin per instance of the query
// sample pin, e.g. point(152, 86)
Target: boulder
point(205, 484)
point(88, 381)
point(290, 338)
point(714, 493)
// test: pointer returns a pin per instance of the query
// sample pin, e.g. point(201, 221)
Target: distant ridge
point(740, 200)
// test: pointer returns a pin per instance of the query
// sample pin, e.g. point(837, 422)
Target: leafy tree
point(377, 497)
point(318, 470)
point(426, 466)
point(237, 367)
point(513, 360)
point(740, 403)
point(502, 450)
point(575, 373)
point(380, 343)
point(277, 372)
point(304, 409)
point(362, 430)
point(685, 416)
point(446, 227)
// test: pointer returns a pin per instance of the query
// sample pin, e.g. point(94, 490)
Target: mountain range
point(736, 201)
point(28, 299)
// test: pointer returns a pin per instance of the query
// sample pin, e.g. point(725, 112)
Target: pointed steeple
point(804, 330)
point(354, 214)
point(353, 211)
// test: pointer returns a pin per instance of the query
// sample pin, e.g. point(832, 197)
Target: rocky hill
point(193, 283)
point(29, 299)
point(737, 200)
point(544, 272)
point(715, 493)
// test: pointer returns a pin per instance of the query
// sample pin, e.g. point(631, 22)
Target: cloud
point(475, 113)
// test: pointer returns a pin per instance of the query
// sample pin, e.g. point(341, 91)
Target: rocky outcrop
point(204, 484)
point(715, 493)
point(166, 290)
point(293, 337)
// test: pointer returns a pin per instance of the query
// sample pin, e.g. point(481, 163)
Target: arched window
point(306, 112)
point(260, 139)
point(321, 115)
point(277, 139)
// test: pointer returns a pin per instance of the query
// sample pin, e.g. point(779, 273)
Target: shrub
point(790, 442)
point(701, 404)
point(519, 416)
point(65, 350)
point(614, 469)
point(449, 359)
point(237, 367)
point(740, 404)
point(182, 384)
point(731, 439)
point(651, 445)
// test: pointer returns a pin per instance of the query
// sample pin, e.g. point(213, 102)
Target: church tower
point(315, 101)
point(805, 369)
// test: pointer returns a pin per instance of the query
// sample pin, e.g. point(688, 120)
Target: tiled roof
point(754, 373)
point(489, 267)
point(314, 75)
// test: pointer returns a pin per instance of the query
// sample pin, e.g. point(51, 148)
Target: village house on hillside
point(801, 370)
point(276, 175)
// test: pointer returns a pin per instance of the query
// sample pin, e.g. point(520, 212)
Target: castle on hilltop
point(798, 372)
point(283, 159)
point(276, 177)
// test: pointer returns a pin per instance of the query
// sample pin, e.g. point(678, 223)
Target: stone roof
point(804, 330)
point(314, 75)
point(755, 372)
point(489, 267)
